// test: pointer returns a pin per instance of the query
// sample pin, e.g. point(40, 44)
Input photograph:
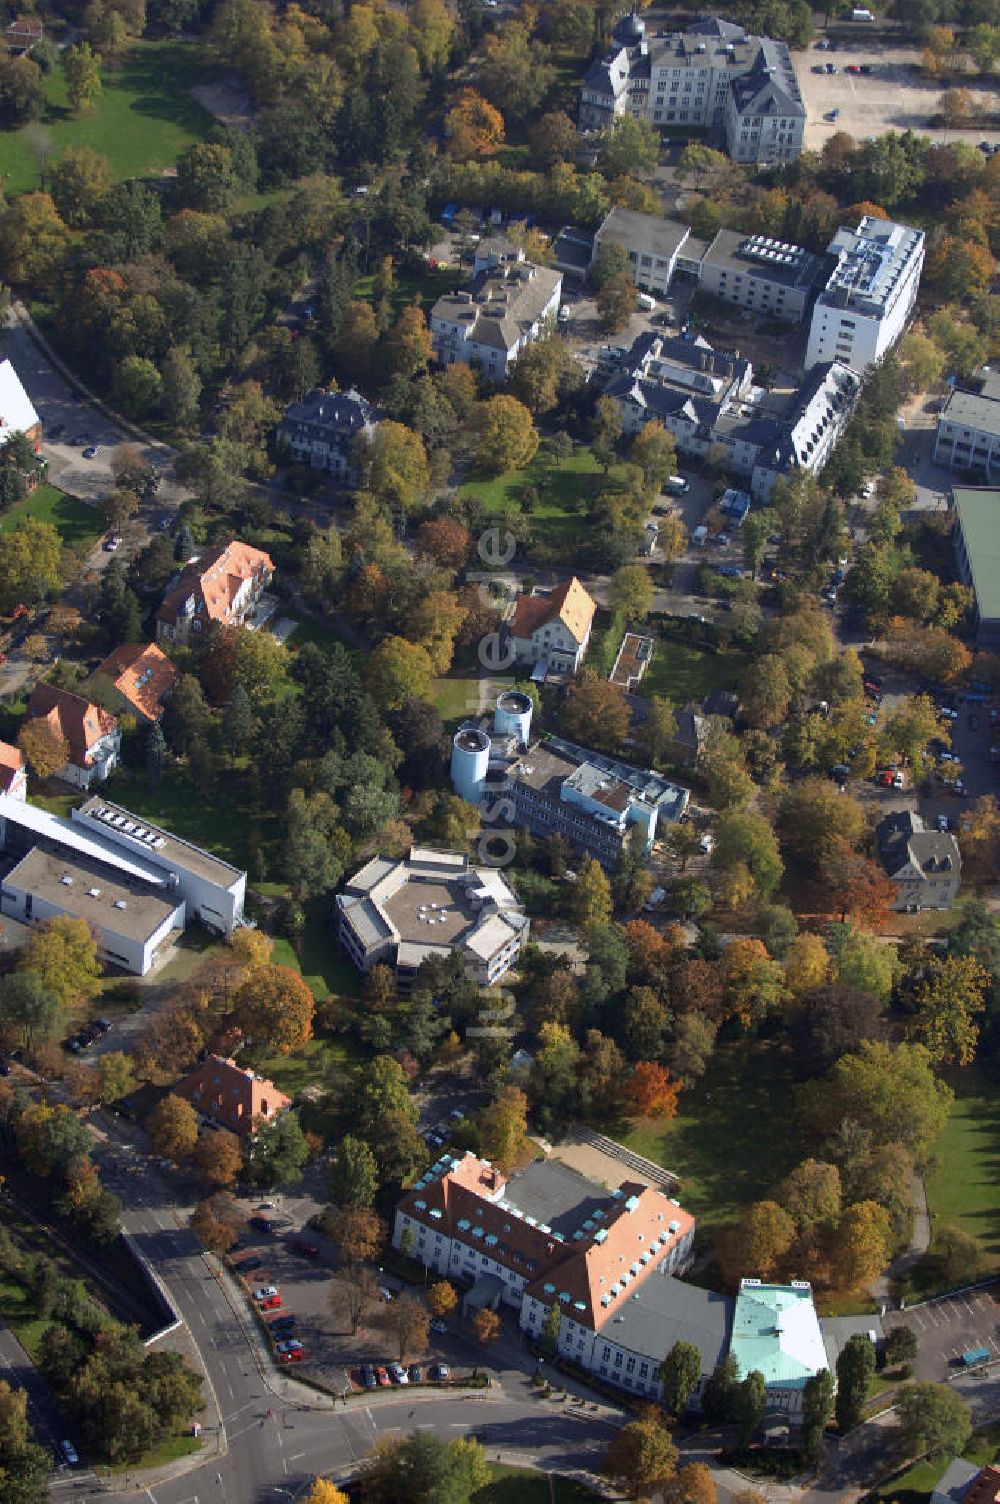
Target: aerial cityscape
point(500, 752)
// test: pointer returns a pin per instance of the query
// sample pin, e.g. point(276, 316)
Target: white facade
point(869, 296)
point(103, 757)
point(510, 303)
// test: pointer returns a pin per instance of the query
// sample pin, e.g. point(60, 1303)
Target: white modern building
point(776, 1332)
point(135, 883)
point(968, 432)
point(510, 303)
point(772, 277)
point(714, 77)
point(653, 245)
point(869, 295)
point(431, 903)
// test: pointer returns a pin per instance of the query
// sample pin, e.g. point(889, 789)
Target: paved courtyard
point(894, 98)
point(950, 1326)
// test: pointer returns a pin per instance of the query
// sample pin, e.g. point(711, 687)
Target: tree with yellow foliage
point(325, 1492)
point(473, 126)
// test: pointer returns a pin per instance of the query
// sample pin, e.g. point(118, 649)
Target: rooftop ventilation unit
point(120, 903)
point(66, 880)
point(93, 892)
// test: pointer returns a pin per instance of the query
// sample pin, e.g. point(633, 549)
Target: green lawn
point(17, 1309)
point(311, 1063)
point(681, 672)
point(424, 288)
point(520, 1485)
point(320, 959)
point(143, 120)
point(964, 1187)
point(714, 1144)
point(223, 824)
point(74, 521)
point(307, 630)
point(456, 698)
point(165, 1451)
point(566, 489)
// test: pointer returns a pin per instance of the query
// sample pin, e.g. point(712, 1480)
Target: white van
point(860, 14)
point(677, 485)
point(645, 302)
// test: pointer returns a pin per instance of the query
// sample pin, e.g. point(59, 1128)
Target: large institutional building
point(549, 1238)
point(740, 89)
point(869, 295)
point(135, 884)
point(431, 903)
point(509, 303)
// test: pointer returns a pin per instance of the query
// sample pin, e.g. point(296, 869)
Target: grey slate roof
point(665, 1310)
point(903, 841)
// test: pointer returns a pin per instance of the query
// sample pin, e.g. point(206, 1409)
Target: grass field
point(721, 1163)
point(455, 698)
point(74, 521)
point(964, 1187)
point(681, 672)
point(519, 1485)
point(320, 960)
point(311, 1063)
point(17, 1309)
point(143, 120)
point(424, 289)
point(222, 824)
point(566, 488)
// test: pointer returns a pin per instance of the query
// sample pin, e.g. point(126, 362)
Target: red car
point(383, 1378)
point(307, 1250)
point(294, 1356)
point(853, 68)
point(271, 1303)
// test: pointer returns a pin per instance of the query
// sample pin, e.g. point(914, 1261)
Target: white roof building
point(17, 414)
point(776, 1332)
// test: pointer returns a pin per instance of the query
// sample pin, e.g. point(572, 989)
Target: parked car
point(291, 1345)
point(296, 1355)
point(247, 1266)
point(853, 68)
point(398, 1374)
point(264, 1292)
point(272, 1303)
point(831, 68)
point(818, 68)
point(261, 1224)
point(414, 1374)
point(437, 1325)
point(867, 69)
point(832, 115)
point(92, 451)
point(439, 1373)
point(366, 1374)
point(382, 1377)
point(307, 1250)
point(70, 1455)
point(385, 1293)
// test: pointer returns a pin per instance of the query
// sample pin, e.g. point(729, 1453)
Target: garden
point(77, 524)
point(566, 487)
point(963, 1189)
point(681, 672)
point(144, 118)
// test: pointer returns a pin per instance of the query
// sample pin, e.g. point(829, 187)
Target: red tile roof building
point(232, 1095)
point(986, 1488)
point(554, 626)
point(141, 676)
point(92, 733)
point(13, 775)
point(222, 585)
point(547, 1236)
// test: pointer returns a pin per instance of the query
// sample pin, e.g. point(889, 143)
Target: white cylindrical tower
point(470, 761)
point(512, 716)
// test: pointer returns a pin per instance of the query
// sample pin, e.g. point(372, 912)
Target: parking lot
point(307, 1287)
point(949, 1327)
point(893, 98)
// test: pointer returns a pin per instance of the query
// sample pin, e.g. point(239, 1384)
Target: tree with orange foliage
point(697, 986)
point(274, 1008)
point(858, 887)
point(486, 1325)
point(651, 1093)
point(865, 207)
point(443, 539)
point(649, 952)
point(958, 267)
point(473, 126)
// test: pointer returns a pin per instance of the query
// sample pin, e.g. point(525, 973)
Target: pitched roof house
point(141, 676)
point(925, 865)
point(92, 733)
point(232, 1095)
point(223, 584)
point(962, 1482)
point(22, 34)
point(509, 303)
point(553, 627)
point(323, 428)
point(13, 774)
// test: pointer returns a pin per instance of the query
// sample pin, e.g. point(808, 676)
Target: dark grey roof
point(956, 1481)
point(711, 26)
point(721, 702)
point(338, 415)
point(902, 840)
point(689, 728)
point(665, 1310)
point(556, 1195)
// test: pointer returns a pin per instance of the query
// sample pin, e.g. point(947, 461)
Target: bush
point(126, 994)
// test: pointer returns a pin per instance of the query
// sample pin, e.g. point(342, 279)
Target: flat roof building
point(653, 245)
point(977, 554)
point(771, 276)
point(431, 903)
point(109, 845)
point(869, 294)
point(968, 432)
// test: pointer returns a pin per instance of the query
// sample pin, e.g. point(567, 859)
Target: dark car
point(261, 1224)
point(368, 1378)
point(307, 1250)
point(247, 1266)
point(414, 1374)
point(867, 69)
point(283, 1324)
point(92, 451)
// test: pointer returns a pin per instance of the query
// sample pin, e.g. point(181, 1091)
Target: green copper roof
point(776, 1331)
point(978, 511)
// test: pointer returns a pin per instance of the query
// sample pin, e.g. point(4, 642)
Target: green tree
point(354, 1176)
point(749, 1401)
point(22, 92)
point(765, 691)
point(24, 1465)
point(817, 1408)
point(946, 1002)
point(855, 1373)
point(27, 1006)
point(743, 837)
point(395, 460)
point(933, 1418)
point(549, 1335)
point(892, 1090)
point(680, 1372)
point(82, 67)
point(812, 1195)
point(62, 954)
point(628, 147)
point(277, 1152)
point(591, 896)
point(616, 302)
point(398, 671)
point(507, 436)
point(180, 387)
point(206, 178)
point(238, 722)
point(631, 592)
point(30, 563)
point(78, 182)
point(156, 755)
point(172, 1128)
point(137, 386)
